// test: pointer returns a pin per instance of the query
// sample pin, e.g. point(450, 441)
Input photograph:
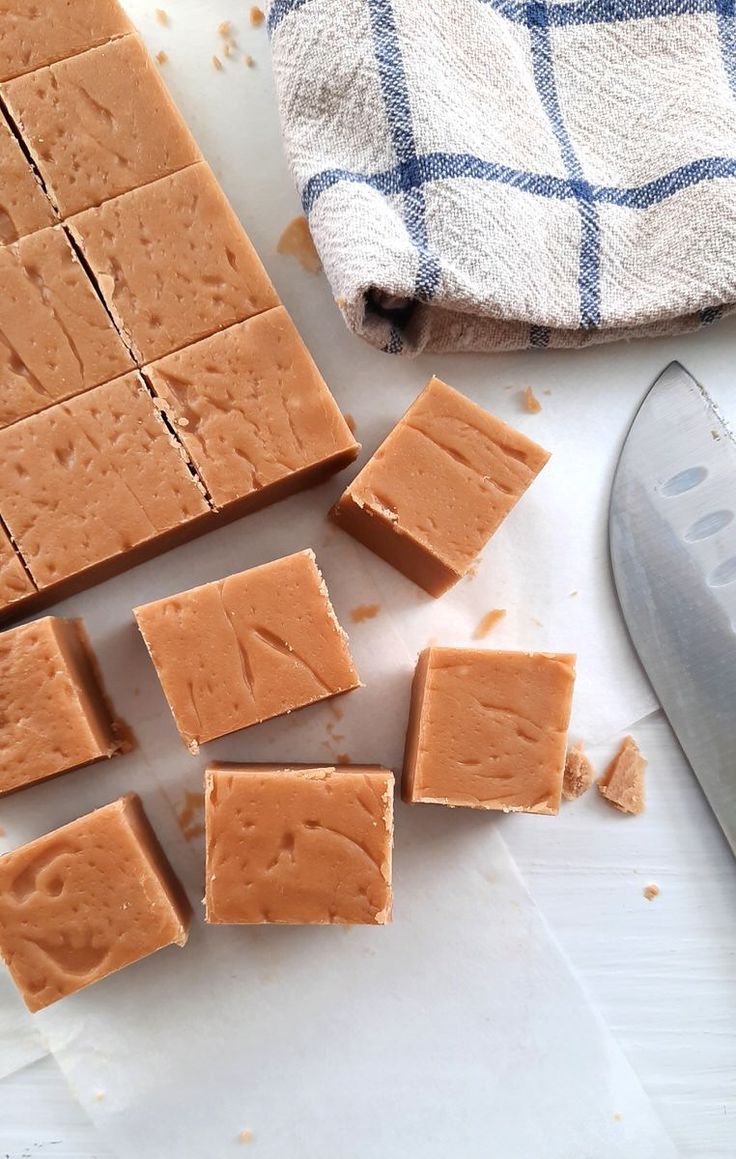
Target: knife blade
point(672, 536)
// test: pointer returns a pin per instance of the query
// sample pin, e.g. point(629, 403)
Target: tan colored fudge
point(15, 582)
point(622, 784)
point(24, 207)
point(34, 33)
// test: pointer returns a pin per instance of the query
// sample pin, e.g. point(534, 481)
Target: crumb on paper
point(161, 16)
point(579, 774)
point(335, 709)
point(296, 241)
point(486, 625)
point(217, 63)
point(228, 49)
point(190, 810)
point(350, 423)
point(256, 16)
point(162, 56)
point(547, 391)
point(343, 759)
point(623, 781)
point(364, 612)
point(331, 726)
point(248, 60)
point(245, 1136)
point(530, 401)
point(651, 891)
point(573, 594)
point(536, 622)
point(617, 1116)
point(99, 1096)
point(225, 30)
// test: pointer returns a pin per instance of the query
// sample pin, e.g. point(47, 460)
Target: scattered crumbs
point(335, 709)
point(248, 60)
point(217, 63)
point(488, 623)
point(548, 391)
point(351, 423)
point(573, 594)
point(578, 775)
point(343, 759)
point(162, 56)
point(531, 402)
point(161, 16)
point(331, 730)
point(296, 241)
point(225, 30)
point(228, 49)
point(256, 16)
point(715, 436)
point(364, 612)
point(651, 891)
point(623, 781)
point(246, 1136)
point(193, 805)
point(537, 622)
point(617, 1116)
point(99, 1096)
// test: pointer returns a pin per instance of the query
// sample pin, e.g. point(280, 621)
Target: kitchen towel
point(498, 174)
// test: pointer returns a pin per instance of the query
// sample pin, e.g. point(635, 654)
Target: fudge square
point(62, 338)
point(89, 482)
point(35, 33)
point(86, 900)
point(253, 411)
point(54, 714)
point(438, 487)
point(298, 844)
point(489, 729)
point(172, 262)
point(243, 649)
point(24, 207)
point(99, 124)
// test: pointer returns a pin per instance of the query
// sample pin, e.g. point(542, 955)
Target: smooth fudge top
point(24, 207)
point(251, 407)
point(86, 900)
point(91, 478)
point(57, 338)
point(34, 33)
point(173, 262)
point(304, 845)
point(488, 729)
point(15, 582)
point(246, 648)
point(100, 124)
point(439, 486)
point(53, 712)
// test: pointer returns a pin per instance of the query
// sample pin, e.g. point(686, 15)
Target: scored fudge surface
point(56, 338)
point(15, 582)
point(92, 479)
point(246, 648)
point(54, 715)
point(100, 124)
point(24, 207)
point(488, 729)
point(253, 411)
point(34, 33)
point(438, 487)
point(298, 844)
point(86, 900)
point(173, 262)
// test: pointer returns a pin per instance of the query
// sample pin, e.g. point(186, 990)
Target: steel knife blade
point(672, 534)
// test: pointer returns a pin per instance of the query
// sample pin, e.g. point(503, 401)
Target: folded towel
point(497, 174)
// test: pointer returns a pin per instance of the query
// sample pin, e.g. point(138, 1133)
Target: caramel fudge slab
point(56, 338)
point(54, 714)
point(86, 900)
point(15, 582)
point(173, 262)
point(34, 33)
point(253, 411)
point(246, 648)
point(89, 483)
point(439, 487)
point(300, 845)
point(24, 207)
point(99, 124)
point(489, 729)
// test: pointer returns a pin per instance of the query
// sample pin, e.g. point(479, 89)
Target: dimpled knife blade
point(672, 528)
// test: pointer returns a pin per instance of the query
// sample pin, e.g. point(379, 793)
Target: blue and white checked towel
point(496, 174)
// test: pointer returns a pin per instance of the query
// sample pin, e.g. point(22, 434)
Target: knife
point(672, 531)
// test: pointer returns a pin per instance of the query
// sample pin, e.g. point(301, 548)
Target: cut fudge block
point(298, 844)
point(85, 900)
point(91, 480)
point(489, 729)
point(56, 338)
point(36, 32)
point(173, 262)
point(24, 207)
point(243, 649)
point(54, 715)
point(253, 411)
point(623, 781)
point(15, 582)
point(100, 124)
point(438, 487)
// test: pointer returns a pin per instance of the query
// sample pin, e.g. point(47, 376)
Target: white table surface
point(662, 973)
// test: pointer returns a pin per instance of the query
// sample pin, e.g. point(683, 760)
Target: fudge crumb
point(488, 623)
point(256, 16)
point(343, 759)
point(651, 891)
point(531, 402)
point(225, 30)
point(162, 56)
point(296, 241)
point(364, 612)
point(228, 49)
point(248, 60)
point(245, 1136)
point(217, 63)
point(350, 423)
point(536, 622)
point(193, 805)
point(335, 709)
point(617, 1116)
point(573, 594)
point(623, 781)
point(99, 1096)
point(578, 775)
point(161, 16)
